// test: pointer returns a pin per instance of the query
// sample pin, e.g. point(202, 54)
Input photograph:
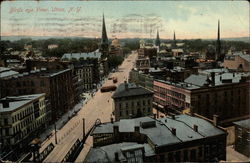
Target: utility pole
point(83, 128)
point(55, 133)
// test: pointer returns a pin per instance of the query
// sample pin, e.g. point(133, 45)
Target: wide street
point(100, 106)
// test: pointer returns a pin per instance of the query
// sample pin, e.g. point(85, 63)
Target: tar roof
point(200, 80)
point(161, 133)
point(132, 90)
point(16, 102)
point(243, 123)
point(107, 153)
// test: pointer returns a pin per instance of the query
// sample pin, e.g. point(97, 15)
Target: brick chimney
point(215, 119)
point(173, 131)
point(195, 128)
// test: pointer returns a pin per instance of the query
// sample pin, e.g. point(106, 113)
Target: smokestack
point(195, 128)
point(174, 131)
point(112, 120)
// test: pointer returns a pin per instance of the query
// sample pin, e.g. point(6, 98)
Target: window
point(178, 156)
point(200, 152)
point(185, 158)
point(170, 157)
point(5, 121)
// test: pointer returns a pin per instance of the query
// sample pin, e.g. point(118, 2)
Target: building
point(242, 137)
point(142, 79)
point(181, 138)
point(52, 46)
point(86, 72)
point(22, 118)
point(149, 52)
point(57, 84)
point(6, 73)
point(132, 101)
point(142, 64)
point(237, 62)
point(115, 48)
point(49, 64)
point(225, 95)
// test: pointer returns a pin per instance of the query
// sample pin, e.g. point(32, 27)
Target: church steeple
point(174, 40)
point(218, 44)
point(157, 41)
point(104, 41)
point(104, 33)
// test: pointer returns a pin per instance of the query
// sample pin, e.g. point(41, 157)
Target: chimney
point(213, 78)
point(173, 117)
point(116, 157)
point(112, 120)
point(195, 128)
point(173, 131)
point(154, 116)
point(137, 129)
point(215, 119)
point(116, 129)
point(6, 104)
point(220, 78)
point(126, 85)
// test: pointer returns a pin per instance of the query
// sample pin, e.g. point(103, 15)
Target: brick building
point(239, 62)
point(226, 95)
point(242, 137)
point(57, 84)
point(179, 138)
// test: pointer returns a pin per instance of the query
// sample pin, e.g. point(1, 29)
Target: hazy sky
point(192, 19)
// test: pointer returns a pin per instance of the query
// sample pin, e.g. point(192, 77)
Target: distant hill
point(14, 38)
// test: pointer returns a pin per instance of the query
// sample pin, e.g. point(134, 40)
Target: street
point(99, 106)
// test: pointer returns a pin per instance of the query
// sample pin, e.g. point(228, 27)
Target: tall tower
point(174, 40)
point(157, 41)
point(104, 47)
point(218, 45)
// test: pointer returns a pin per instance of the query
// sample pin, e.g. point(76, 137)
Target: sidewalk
point(64, 119)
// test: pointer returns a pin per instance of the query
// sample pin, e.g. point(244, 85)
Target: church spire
point(157, 41)
point(218, 45)
point(104, 33)
point(104, 47)
point(174, 40)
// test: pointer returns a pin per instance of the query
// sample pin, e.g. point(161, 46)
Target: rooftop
point(7, 72)
point(132, 90)
point(159, 131)
point(95, 54)
point(243, 123)
point(107, 153)
point(220, 79)
point(15, 102)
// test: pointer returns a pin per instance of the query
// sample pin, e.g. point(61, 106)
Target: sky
point(189, 19)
